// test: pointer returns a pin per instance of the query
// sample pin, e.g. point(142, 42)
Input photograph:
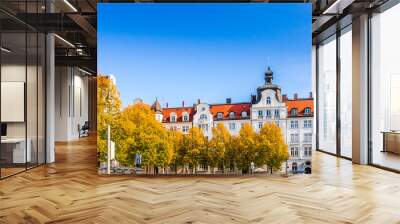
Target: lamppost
point(108, 131)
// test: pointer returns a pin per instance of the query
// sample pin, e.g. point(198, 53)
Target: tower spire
point(268, 76)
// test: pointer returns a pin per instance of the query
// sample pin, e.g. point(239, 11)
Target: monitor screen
point(3, 129)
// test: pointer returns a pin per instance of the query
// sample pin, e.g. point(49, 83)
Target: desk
point(391, 141)
point(13, 150)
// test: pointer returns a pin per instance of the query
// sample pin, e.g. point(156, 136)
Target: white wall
point(71, 102)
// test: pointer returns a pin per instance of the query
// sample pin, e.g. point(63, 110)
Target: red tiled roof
point(225, 109)
point(300, 105)
point(178, 111)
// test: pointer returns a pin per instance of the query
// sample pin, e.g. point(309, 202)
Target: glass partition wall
point(327, 95)
point(385, 89)
point(22, 98)
point(334, 94)
point(345, 61)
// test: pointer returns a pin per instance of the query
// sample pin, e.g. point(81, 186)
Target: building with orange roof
point(294, 117)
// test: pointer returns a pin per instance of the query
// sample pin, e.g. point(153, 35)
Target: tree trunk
point(271, 170)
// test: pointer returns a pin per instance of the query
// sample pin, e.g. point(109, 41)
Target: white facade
point(203, 119)
point(294, 117)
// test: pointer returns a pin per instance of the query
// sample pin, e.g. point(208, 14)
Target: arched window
point(268, 100)
point(203, 117)
point(231, 114)
point(244, 113)
point(307, 110)
point(293, 112)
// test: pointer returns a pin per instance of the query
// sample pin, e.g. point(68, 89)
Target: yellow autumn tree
point(219, 145)
point(271, 147)
point(196, 143)
point(148, 137)
point(230, 152)
point(108, 113)
point(245, 147)
point(176, 140)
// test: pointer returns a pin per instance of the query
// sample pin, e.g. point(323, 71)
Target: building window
point(268, 113)
point(294, 124)
point(185, 117)
point(232, 126)
point(294, 167)
point(277, 123)
point(307, 111)
point(307, 151)
point(293, 112)
point(219, 115)
point(172, 118)
point(260, 114)
point(203, 117)
point(294, 151)
point(231, 114)
point(294, 138)
point(276, 113)
point(185, 129)
point(260, 124)
point(244, 113)
point(204, 127)
point(307, 137)
point(268, 100)
point(308, 123)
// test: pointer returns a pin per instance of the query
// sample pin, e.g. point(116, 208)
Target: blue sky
point(185, 52)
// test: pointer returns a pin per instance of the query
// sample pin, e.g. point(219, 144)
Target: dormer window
point(172, 118)
point(185, 117)
point(203, 117)
point(293, 112)
point(307, 111)
point(231, 114)
point(244, 113)
point(219, 115)
point(268, 100)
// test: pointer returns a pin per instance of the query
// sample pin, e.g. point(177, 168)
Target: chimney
point(167, 105)
point(228, 100)
point(198, 101)
point(183, 103)
point(295, 96)
point(253, 99)
point(311, 96)
point(284, 97)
